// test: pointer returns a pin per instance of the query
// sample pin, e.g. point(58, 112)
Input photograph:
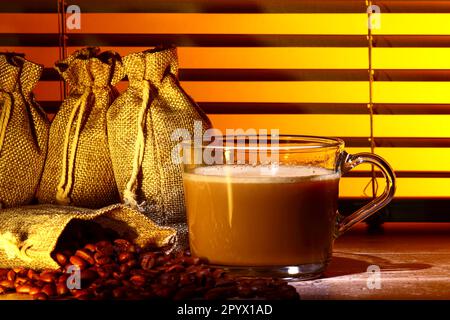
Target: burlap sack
point(23, 131)
point(78, 170)
point(140, 124)
point(29, 234)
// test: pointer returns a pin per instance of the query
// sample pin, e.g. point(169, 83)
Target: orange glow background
point(419, 60)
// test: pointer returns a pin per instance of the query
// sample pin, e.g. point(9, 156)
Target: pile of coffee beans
point(118, 269)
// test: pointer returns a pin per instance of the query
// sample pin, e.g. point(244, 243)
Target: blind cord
point(62, 42)
point(373, 181)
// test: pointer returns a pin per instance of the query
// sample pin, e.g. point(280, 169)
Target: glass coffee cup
point(267, 206)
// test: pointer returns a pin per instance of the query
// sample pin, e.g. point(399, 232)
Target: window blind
point(299, 66)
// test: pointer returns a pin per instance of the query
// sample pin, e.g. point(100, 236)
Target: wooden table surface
point(414, 260)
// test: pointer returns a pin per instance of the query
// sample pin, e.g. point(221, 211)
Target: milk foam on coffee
point(261, 174)
point(261, 215)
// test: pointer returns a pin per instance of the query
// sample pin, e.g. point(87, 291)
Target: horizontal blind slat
point(248, 91)
point(411, 92)
point(192, 23)
point(406, 187)
point(411, 58)
point(233, 58)
point(384, 125)
point(293, 91)
point(233, 6)
point(322, 125)
point(413, 24)
point(412, 126)
point(417, 159)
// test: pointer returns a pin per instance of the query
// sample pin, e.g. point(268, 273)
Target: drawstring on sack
point(66, 181)
point(129, 194)
point(5, 115)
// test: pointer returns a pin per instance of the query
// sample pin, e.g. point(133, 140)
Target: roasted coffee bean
point(87, 276)
point(61, 259)
point(175, 268)
point(21, 281)
point(189, 261)
point(202, 273)
point(148, 261)
point(11, 276)
point(117, 275)
point(218, 273)
point(61, 289)
point(220, 293)
point(102, 273)
point(80, 293)
point(122, 245)
point(152, 274)
point(7, 284)
point(224, 282)
point(187, 279)
point(169, 279)
point(20, 271)
point(124, 268)
point(49, 290)
point(101, 259)
point(75, 260)
point(90, 247)
point(141, 272)
point(112, 282)
point(125, 256)
point(105, 248)
point(23, 289)
point(47, 277)
point(86, 256)
point(119, 293)
point(132, 263)
point(40, 296)
point(63, 278)
point(33, 275)
point(34, 290)
point(138, 280)
point(3, 273)
point(162, 260)
point(121, 270)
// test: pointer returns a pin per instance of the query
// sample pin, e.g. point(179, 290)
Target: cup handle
point(349, 162)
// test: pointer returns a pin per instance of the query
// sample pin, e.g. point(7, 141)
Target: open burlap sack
point(78, 170)
point(29, 234)
point(23, 131)
point(140, 124)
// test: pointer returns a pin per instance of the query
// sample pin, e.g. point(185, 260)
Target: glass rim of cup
point(283, 142)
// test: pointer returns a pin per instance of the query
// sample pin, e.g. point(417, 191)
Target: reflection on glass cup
point(271, 209)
